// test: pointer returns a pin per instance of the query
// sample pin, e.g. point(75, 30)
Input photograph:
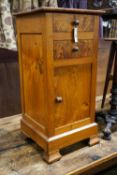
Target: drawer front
point(64, 22)
point(73, 31)
point(64, 49)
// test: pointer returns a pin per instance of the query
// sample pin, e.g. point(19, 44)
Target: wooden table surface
point(18, 156)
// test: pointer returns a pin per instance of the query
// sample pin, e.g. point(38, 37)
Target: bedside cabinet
point(58, 60)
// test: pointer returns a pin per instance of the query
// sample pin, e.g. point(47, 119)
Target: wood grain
point(64, 49)
point(64, 23)
point(76, 100)
point(33, 74)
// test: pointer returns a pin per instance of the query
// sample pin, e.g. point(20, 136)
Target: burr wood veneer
point(58, 60)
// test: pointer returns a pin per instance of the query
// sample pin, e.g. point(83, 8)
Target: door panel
point(33, 77)
point(72, 84)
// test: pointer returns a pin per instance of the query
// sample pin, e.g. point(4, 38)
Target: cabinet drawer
point(64, 22)
point(64, 49)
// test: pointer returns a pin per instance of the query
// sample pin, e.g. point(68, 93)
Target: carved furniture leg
point(52, 156)
point(94, 140)
point(111, 117)
point(109, 69)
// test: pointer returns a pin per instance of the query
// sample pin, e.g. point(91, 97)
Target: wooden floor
point(18, 156)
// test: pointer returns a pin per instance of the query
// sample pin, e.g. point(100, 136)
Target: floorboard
point(19, 156)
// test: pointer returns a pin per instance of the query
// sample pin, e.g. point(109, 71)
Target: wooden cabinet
point(58, 59)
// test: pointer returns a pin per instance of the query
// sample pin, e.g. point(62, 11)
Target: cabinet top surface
point(60, 10)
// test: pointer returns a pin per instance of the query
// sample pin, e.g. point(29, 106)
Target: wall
point(9, 83)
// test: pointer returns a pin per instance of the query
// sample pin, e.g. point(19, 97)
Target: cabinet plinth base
point(52, 145)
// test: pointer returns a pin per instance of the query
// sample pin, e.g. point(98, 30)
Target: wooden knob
point(76, 22)
point(75, 48)
point(58, 99)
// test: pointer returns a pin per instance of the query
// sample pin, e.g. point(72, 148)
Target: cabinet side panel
point(32, 63)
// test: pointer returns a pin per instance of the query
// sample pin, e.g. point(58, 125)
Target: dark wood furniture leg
point(111, 117)
point(109, 69)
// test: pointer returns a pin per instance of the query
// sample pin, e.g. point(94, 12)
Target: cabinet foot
point(94, 140)
point(51, 157)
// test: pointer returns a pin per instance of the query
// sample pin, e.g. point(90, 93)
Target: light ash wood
point(45, 41)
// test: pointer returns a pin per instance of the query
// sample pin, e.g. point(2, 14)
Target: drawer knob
point(75, 48)
point(76, 22)
point(58, 99)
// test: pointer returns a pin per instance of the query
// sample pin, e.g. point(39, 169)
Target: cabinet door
point(72, 85)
